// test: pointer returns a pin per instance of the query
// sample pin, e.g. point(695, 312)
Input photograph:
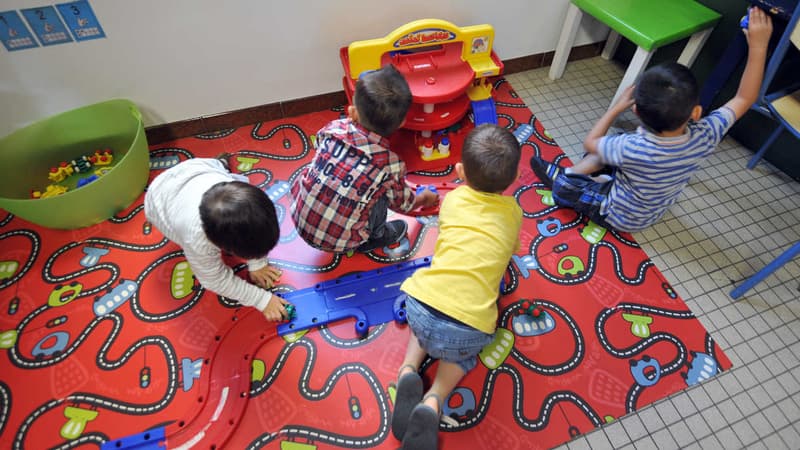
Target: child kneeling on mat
point(205, 209)
point(341, 199)
point(452, 305)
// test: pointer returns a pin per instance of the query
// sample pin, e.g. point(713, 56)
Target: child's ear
point(352, 112)
point(460, 171)
point(697, 112)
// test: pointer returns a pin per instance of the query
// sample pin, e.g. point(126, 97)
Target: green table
point(649, 24)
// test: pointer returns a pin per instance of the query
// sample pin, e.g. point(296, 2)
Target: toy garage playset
point(447, 68)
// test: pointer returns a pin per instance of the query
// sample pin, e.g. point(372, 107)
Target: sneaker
point(547, 172)
point(408, 395)
point(395, 231)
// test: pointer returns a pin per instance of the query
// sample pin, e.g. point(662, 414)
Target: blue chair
point(748, 284)
point(781, 103)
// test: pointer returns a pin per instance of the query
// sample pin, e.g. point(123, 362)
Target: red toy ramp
point(183, 366)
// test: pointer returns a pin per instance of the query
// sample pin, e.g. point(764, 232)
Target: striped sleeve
point(718, 123)
point(610, 149)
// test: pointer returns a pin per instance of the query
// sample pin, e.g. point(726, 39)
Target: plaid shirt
point(333, 195)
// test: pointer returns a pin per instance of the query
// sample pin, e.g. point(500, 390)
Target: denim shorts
point(582, 194)
point(443, 337)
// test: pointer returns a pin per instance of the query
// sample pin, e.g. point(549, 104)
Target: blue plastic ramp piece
point(484, 111)
point(146, 440)
point(369, 297)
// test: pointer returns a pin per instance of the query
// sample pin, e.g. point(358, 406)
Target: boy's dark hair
point(490, 157)
point(382, 98)
point(240, 219)
point(665, 96)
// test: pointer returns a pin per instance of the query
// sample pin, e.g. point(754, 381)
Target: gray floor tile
point(651, 420)
point(598, 441)
point(646, 443)
point(697, 424)
point(668, 412)
point(774, 442)
point(663, 440)
point(761, 424)
point(728, 439)
point(616, 434)
point(790, 436)
point(681, 433)
point(745, 432)
point(634, 427)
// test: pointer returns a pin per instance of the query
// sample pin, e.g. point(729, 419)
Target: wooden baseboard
point(158, 134)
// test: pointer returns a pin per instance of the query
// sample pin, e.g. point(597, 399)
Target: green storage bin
point(28, 154)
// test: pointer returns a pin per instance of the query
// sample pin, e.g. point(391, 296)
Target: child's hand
point(266, 276)
point(758, 30)
point(427, 198)
point(625, 100)
point(275, 311)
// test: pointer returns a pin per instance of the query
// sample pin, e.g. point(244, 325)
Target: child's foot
point(547, 172)
point(395, 231)
point(408, 395)
point(423, 426)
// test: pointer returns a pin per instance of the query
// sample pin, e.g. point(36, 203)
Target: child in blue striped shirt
point(651, 166)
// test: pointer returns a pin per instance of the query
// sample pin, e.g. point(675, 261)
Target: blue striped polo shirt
point(653, 170)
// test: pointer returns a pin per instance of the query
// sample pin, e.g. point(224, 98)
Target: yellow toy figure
point(51, 191)
point(61, 172)
point(104, 158)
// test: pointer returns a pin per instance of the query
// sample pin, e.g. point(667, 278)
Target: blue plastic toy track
point(370, 297)
point(146, 440)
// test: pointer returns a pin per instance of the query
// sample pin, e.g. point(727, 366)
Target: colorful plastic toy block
point(52, 190)
point(82, 164)
point(84, 181)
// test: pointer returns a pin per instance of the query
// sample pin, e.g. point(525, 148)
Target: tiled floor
point(727, 224)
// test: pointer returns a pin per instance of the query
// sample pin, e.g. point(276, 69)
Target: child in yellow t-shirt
point(451, 305)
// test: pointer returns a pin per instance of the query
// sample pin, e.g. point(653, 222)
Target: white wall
point(181, 59)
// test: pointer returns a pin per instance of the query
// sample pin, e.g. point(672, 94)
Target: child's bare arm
point(601, 127)
point(757, 33)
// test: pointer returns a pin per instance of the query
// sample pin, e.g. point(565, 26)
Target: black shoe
point(407, 396)
point(547, 172)
point(394, 232)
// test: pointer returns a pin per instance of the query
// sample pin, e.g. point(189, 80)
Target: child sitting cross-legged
point(651, 167)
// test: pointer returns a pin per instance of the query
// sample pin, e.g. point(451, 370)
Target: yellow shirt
point(478, 233)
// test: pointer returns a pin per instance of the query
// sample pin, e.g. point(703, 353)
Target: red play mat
point(104, 335)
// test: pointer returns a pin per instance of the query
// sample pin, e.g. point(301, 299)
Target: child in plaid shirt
point(340, 200)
